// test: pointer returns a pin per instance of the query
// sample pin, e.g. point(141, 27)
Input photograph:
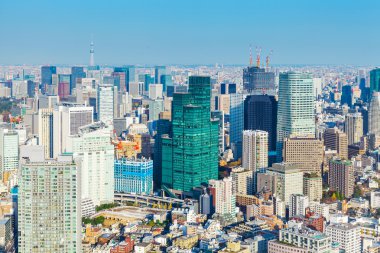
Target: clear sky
point(189, 31)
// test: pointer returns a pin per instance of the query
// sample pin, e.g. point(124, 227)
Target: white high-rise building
point(49, 218)
point(69, 117)
point(242, 181)
point(347, 235)
point(298, 204)
point(94, 154)
point(46, 131)
point(296, 104)
point(155, 91)
point(374, 115)
point(224, 196)
point(255, 150)
point(9, 153)
point(105, 103)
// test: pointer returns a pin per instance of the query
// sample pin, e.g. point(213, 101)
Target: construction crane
point(258, 53)
point(268, 58)
point(250, 55)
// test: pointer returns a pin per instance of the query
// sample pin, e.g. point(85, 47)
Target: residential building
point(46, 127)
point(289, 180)
point(223, 196)
point(48, 198)
point(312, 186)
point(298, 204)
point(341, 177)
point(243, 181)
point(347, 235)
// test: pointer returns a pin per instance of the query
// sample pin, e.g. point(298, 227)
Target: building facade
point(49, 207)
point(341, 177)
point(134, 175)
point(190, 154)
point(295, 107)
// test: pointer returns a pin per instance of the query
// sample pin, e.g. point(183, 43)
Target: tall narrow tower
point(92, 61)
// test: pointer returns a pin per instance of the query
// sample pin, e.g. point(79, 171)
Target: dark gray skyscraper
point(260, 113)
point(46, 76)
point(256, 78)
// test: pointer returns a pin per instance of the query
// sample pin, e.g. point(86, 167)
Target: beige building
point(312, 186)
point(353, 127)
point(341, 177)
point(305, 151)
point(242, 180)
point(46, 130)
point(224, 103)
point(335, 139)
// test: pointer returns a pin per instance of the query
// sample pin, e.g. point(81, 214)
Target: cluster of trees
point(106, 206)
point(337, 196)
point(96, 221)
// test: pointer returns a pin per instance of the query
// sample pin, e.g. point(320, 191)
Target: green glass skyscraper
point(374, 80)
point(190, 154)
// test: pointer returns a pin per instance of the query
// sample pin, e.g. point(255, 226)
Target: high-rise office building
point(94, 154)
point(76, 74)
point(163, 127)
point(334, 139)
point(295, 107)
point(155, 107)
point(46, 76)
point(374, 80)
point(341, 177)
point(134, 175)
point(346, 97)
point(9, 153)
point(166, 80)
point(260, 113)
point(255, 151)
point(158, 72)
point(190, 154)
point(305, 151)
point(148, 80)
point(236, 123)
point(49, 218)
point(155, 91)
point(312, 186)
point(46, 127)
point(105, 103)
point(227, 88)
point(256, 78)
point(374, 115)
point(64, 82)
point(353, 127)
point(126, 75)
point(224, 103)
point(298, 204)
point(68, 117)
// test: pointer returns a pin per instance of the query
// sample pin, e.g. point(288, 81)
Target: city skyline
point(188, 33)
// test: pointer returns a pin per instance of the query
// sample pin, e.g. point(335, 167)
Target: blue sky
point(189, 32)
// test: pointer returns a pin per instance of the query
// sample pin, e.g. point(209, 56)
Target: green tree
point(357, 192)
point(333, 196)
